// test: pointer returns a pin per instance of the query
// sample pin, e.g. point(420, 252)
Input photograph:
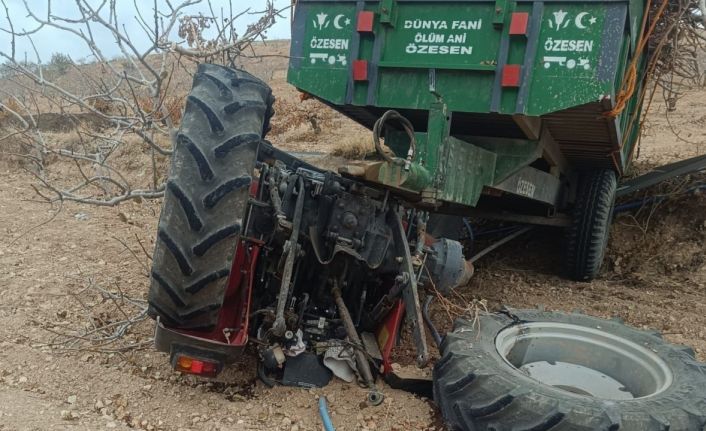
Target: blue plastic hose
point(654, 199)
point(323, 411)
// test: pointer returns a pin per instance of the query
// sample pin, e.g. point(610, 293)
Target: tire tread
point(499, 397)
point(207, 197)
point(588, 234)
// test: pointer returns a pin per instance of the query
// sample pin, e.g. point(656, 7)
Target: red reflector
point(187, 364)
point(196, 366)
point(365, 21)
point(518, 23)
point(254, 186)
point(209, 367)
point(360, 70)
point(511, 75)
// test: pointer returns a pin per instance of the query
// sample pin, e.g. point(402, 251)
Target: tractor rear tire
point(479, 388)
point(226, 116)
point(587, 237)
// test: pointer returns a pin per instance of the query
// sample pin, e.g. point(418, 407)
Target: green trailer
point(516, 107)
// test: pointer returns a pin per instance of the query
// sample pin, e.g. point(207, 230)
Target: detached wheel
point(554, 371)
point(587, 236)
point(227, 114)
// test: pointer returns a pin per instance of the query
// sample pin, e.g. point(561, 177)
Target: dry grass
point(10, 104)
point(353, 147)
point(173, 105)
point(103, 106)
point(293, 114)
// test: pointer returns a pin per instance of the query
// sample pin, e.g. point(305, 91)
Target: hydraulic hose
point(406, 125)
point(471, 234)
point(425, 314)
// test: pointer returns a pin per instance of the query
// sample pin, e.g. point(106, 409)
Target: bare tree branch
point(123, 106)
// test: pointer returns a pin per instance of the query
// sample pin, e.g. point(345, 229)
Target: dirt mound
point(664, 238)
point(56, 122)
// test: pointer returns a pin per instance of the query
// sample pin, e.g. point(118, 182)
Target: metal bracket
point(662, 173)
point(438, 129)
point(388, 12)
point(279, 326)
point(167, 340)
point(409, 292)
point(500, 11)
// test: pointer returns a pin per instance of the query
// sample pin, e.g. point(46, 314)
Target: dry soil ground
point(53, 265)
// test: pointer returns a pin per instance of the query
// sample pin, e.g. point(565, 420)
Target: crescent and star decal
point(337, 21)
point(579, 20)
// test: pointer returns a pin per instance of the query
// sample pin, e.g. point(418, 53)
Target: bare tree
point(676, 45)
point(119, 106)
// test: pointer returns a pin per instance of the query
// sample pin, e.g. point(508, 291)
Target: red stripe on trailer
point(365, 21)
point(511, 75)
point(360, 70)
point(518, 23)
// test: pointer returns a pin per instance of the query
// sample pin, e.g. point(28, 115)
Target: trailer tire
point(226, 116)
point(478, 388)
point(587, 237)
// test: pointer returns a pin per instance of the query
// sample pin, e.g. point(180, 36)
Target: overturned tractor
point(319, 270)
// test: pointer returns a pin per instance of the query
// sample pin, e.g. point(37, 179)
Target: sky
point(50, 40)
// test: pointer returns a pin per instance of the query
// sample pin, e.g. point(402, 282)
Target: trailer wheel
point(587, 237)
point(535, 370)
point(227, 114)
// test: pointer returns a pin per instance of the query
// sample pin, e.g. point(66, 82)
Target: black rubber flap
point(305, 370)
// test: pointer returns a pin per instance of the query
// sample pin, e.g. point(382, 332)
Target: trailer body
point(506, 98)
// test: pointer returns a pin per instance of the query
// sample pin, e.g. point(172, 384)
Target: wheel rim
point(584, 361)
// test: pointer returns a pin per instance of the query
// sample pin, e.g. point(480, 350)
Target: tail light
point(199, 366)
